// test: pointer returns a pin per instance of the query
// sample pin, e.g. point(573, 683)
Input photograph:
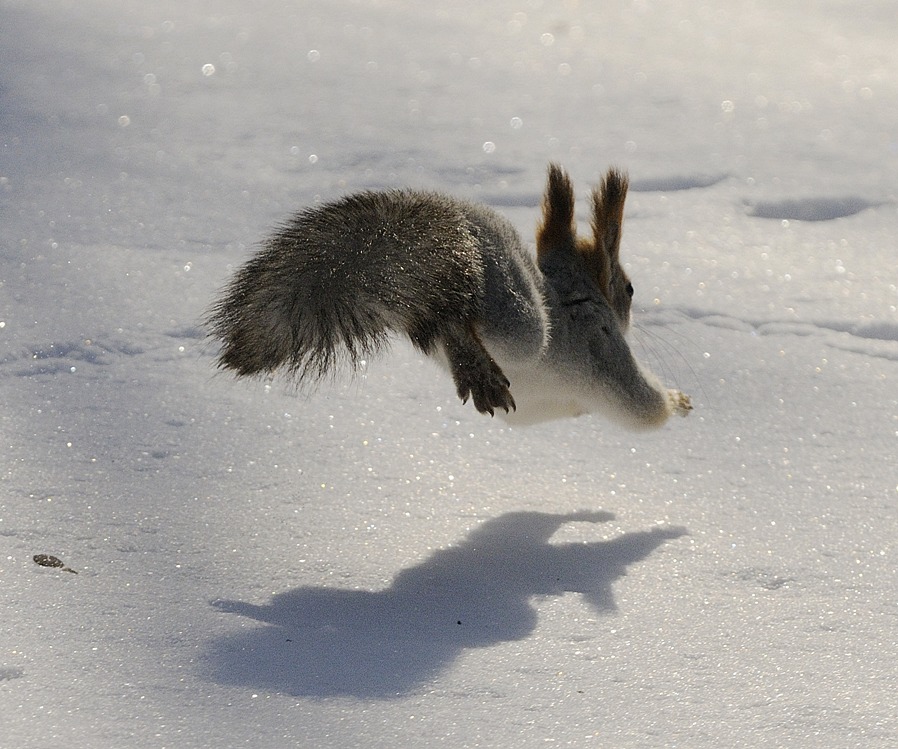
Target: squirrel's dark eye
point(629, 289)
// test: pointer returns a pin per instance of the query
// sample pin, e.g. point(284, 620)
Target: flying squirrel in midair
point(534, 339)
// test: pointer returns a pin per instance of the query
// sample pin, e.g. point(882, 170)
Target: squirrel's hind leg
point(475, 373)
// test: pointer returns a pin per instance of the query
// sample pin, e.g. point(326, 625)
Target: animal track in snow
point(63, 356)
point(810, 209)
point(871, 338)
point(676, 183)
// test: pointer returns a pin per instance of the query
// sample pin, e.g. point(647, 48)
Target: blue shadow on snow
point(327, 642)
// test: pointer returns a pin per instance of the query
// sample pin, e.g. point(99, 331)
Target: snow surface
point(374, 564)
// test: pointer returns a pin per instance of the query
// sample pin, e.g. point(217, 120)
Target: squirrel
point(533, 339)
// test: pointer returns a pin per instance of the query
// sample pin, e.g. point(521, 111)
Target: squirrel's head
point(599, 255)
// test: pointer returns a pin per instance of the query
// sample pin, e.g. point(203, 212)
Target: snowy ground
point(376, 565)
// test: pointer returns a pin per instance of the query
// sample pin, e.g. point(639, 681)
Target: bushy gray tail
point(268, 319)
point(332, 283)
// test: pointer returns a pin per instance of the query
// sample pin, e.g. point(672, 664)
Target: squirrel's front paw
point(680, 402)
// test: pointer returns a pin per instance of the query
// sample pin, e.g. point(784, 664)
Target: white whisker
point(651, 344)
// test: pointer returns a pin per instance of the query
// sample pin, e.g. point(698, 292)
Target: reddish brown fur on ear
point(608, 211)
point(557, 230)
point(607, 225)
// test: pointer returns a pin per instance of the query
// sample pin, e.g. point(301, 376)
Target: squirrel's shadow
point(328, 641)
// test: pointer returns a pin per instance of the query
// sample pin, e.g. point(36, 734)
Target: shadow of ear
point(329, 641)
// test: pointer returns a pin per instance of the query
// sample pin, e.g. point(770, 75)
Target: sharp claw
point(490, 401)
point(486, 409)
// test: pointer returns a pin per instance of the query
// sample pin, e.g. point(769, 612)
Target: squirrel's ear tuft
point(608, 212)
point(607, 225)
point(557, 231)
